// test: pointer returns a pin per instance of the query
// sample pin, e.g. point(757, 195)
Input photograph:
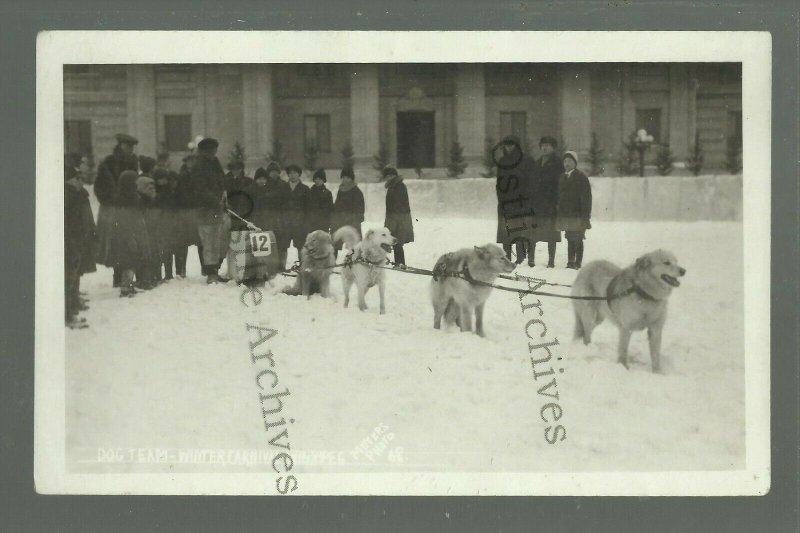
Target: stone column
point(364, 118)
point(576, 107)
point(471, 112)
point(679, 139)
point(141, 88)
point(257, 105)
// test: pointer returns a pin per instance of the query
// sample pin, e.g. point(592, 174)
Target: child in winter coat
point(398, 213)
point(574, 208)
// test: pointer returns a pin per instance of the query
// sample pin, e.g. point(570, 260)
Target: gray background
point(23, 510)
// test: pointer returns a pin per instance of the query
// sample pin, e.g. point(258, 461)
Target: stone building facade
point(414, 111)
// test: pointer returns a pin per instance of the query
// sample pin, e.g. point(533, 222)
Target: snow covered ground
point(159, 380)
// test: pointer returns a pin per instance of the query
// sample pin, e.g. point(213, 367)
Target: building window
point(177, 132)
point(514, 123)
point(650, 121)
point(317, 132)
point(78, 137)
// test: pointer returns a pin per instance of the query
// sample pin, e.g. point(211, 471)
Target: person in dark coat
point(320, 203)
point(398, 213)
point(513, 197)
point(166, 203)
point(80, 235)
point(186, 220)
point(105, 189)
point(544, 191)
point(269, 200)
point(129, 245)
point(574, 208)
point(348, 209)
point(208, 179)
point(149, 275)
point(296, 209)
point(238, 190)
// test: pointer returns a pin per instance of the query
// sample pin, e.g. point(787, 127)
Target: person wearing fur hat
point(398, 213)
point(574, 208)
point(208, 178)
point(320, 203)
point(348, 209)
point(544, 191)
point(80, 236)
point(105, 189)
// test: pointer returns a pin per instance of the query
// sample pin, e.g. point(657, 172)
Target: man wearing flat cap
point(208, 179)
point(105, 189)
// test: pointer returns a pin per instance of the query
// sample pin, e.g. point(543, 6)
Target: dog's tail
point(348, 235)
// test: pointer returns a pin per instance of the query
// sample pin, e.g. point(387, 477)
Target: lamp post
point(642, 143)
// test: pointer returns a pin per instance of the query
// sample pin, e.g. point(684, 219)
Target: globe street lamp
point(642, 143)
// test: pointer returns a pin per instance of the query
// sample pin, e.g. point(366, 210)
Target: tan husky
point(364, 262)
point(455, 298)
point(636, 299)
point(316, 266)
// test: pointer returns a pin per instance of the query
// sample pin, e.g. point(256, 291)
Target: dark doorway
point(416, 141)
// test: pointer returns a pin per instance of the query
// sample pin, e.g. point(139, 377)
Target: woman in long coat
point(129, 243)
point(574, 208)
point(348, 209)
point(320, 203)
point(295, 210)
point(398, 213)
point(544, 191)
point(513, 197)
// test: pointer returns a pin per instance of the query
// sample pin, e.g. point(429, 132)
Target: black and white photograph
point(403, 263)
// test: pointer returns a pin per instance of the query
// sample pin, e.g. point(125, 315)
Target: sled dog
point(363, 262)
point(455, 298)
point(316, 266)
point(636, 299)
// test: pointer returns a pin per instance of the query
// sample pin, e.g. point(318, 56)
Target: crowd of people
point(539, 198)
point(149, 215)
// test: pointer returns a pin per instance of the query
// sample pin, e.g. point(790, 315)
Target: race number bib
point(260, 243)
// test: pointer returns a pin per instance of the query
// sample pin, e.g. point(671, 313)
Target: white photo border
point(57, 48)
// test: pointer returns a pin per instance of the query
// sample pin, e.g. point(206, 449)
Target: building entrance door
point(416, 140)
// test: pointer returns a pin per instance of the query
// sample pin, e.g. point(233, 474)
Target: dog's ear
point(481, 251)
point(643, 262)
point(369, 234)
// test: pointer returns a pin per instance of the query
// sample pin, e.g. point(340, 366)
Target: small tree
point(664, 160)
point(595, 157)
point(237, 154)
point(562, 144)
point(696, 157)
point(310, 157)
point(627, 161)
point(489, 168)
point(277, 154)
point(381, 159)
point(733, 154)
point(348, 159)
point(457, 164)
